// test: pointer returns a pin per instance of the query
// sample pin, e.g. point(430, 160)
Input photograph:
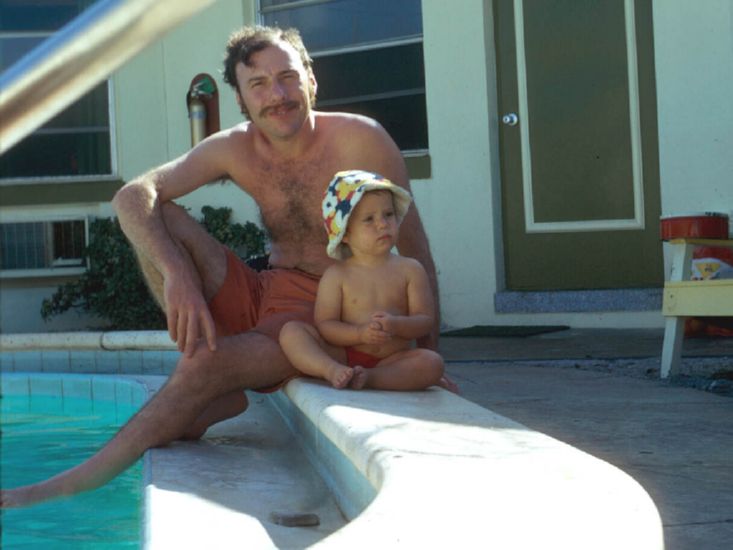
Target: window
point(77, 141)
point(367, 57)
point(35, 247)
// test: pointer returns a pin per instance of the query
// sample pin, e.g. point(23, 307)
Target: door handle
point(510, 119)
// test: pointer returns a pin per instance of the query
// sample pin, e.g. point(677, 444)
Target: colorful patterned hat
point(343, 194)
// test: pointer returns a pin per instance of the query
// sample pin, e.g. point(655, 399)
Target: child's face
point(373, 227)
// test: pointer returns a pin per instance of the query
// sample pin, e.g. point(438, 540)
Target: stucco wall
point(459, 204)
point(694, 67)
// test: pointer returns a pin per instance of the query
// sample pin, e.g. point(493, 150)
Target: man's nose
point(278, 90)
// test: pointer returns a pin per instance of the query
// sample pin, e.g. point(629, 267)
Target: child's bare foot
point(359, 379)
point(448, 384)
point(340, 376)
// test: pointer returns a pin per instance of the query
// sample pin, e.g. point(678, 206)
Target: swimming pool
point(52, 422)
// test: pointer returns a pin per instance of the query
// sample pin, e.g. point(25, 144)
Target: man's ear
point(313, 84)
point(240, 101)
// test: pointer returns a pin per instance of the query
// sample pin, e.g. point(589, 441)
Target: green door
point(578, 138)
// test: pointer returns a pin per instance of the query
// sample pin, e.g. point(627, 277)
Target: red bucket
point(706, 225)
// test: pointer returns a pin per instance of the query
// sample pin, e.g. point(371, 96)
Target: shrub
point(113, 287)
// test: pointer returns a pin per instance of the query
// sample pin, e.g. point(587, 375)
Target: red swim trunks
point(355, 357)
point(262, 301)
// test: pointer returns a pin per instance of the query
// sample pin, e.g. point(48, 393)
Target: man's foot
point(340, 376)
point(222, 408)
point(23, 496)
point(359, 380)
point(10, 499)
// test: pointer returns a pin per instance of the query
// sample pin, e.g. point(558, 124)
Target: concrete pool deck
point(595, 390)
point(415, 470)
point(221, 492)
point(599, 390)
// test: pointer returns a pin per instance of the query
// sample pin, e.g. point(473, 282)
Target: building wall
point(694, 66)
point(460, 67)
point(461, 99)
point(150, 127)
point(153, 126)
point(460, 203)
point(694, 69)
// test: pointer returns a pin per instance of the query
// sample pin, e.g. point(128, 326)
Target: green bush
point(113, 288)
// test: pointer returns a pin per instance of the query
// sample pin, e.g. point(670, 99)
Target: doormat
point(502, 331)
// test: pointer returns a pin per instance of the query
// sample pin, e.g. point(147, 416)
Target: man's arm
point(138, 207)
point(413, 243)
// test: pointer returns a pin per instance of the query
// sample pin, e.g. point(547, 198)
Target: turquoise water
point(43, 435)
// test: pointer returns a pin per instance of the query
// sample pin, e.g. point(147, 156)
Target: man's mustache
point(284, 104)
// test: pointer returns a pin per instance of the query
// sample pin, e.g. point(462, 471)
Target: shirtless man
point(283, 157)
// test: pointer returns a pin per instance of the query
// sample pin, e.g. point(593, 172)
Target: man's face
point(275, 90)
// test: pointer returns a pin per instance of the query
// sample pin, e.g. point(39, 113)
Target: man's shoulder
point(243, 130)
point(346, 122)
point(358, 140)
point(406, 263)
point(235, 141)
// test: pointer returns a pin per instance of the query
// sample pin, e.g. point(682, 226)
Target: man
point(224, 317)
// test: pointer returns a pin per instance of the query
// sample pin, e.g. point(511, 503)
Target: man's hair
point(247, 41)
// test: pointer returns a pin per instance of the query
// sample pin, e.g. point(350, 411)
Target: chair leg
point(672, 348)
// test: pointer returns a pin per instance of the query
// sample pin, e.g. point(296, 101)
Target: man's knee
point(197, 370)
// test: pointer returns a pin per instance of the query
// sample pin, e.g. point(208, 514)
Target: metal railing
point(80, 55)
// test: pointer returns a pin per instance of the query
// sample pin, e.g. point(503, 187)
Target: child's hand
point(386, 321)
point(372, 333)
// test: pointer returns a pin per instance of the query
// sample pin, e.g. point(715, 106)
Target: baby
point(372, 304)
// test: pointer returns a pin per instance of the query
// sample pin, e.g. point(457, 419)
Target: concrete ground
point(599, 390)
point(237, 488)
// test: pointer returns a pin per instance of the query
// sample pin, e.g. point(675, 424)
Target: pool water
point(43, 435)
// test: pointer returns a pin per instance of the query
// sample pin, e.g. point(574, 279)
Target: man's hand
point(188, 316)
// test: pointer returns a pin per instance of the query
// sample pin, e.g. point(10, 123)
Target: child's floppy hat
point(343, 194)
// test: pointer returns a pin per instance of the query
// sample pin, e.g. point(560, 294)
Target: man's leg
point(206, 258)
point(249, 360)
point(227, 406)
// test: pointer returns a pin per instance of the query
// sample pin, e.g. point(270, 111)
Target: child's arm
point(327, 316)
point(420, 307)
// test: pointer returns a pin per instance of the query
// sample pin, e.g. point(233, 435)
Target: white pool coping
point(448, 473)
point(101, 340)
point(431, 469)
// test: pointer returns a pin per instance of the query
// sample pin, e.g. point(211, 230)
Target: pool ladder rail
point(80, 55)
